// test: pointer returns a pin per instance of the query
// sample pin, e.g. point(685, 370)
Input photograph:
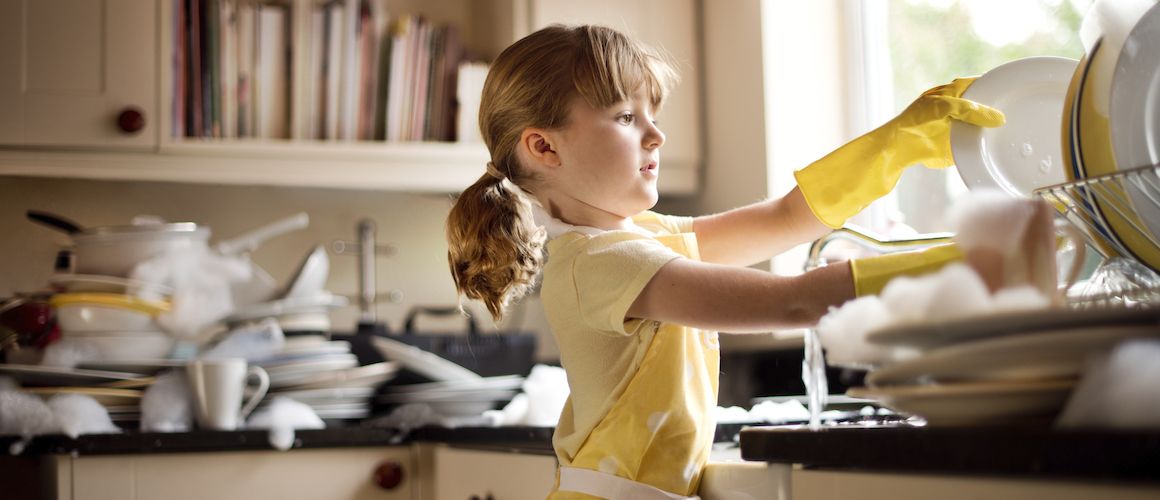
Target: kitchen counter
point(536, 440)
point(1042, 452)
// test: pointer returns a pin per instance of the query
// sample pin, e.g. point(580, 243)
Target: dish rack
point(1122, 279)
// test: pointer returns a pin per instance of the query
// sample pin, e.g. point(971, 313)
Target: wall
point(411, 223)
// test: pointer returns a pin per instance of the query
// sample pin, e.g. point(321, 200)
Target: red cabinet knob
point(131, 120)
point(389, 474)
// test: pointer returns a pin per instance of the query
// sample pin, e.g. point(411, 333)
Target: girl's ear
point(537, 146)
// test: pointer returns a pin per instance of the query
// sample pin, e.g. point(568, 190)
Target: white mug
point(217, 386)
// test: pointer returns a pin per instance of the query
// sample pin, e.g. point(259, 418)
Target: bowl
point(121, 346)
point(106, 312)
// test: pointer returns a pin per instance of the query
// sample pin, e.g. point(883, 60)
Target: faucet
point(366, 249)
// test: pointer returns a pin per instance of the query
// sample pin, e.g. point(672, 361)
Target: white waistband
point(612, 487)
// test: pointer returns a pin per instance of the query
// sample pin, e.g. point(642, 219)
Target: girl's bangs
point(611, 68)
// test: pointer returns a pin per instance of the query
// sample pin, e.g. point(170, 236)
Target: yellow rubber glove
point(847, 180)
point(871, 274)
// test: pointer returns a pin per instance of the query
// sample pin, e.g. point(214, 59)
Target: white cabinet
point(71, 67)
point(331, 474)
point(824, 485)
point(465, 474)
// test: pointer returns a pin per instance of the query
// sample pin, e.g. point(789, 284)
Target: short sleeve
point(610, 274)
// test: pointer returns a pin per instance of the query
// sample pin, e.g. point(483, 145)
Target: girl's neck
point(577, 213)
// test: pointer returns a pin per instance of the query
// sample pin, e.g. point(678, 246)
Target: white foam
point(26, 415)
point(80, 414)
point(1118, 390)
point(166, 405)
point(281, 417)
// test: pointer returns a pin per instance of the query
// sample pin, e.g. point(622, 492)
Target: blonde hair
point(494, 246)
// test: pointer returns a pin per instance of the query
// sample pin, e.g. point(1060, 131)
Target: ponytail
point(494, 246)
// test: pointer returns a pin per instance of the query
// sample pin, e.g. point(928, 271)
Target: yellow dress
point(642, 392)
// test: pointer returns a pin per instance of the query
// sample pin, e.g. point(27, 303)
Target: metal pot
point(115, 250)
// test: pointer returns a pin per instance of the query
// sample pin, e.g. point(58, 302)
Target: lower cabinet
point(826, 485)
point(471, 474)
point(331, 474)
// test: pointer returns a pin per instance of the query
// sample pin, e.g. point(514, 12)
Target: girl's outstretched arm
point(739, 299)
point(753, 233)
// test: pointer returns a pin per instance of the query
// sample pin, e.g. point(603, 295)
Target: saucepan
point(117, 250)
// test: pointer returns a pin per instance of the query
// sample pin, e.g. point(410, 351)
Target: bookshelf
point(158, 154)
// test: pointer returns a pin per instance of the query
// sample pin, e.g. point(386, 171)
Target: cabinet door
point(462, 474)
point(70, 67)
point(332, 474)
point(669, 25)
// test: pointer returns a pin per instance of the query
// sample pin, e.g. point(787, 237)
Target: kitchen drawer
point(463, 474)
point(331, 474)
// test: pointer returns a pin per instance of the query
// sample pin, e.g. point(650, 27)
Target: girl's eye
point(626, 118)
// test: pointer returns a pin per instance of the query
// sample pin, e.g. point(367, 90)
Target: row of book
point(339, 70)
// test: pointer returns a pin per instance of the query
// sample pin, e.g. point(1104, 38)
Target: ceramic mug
point(217, 386)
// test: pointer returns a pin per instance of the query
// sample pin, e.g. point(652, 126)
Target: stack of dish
point(460, 398)
point(1112, 126)
point(325, 375)
point(112, 326)
point(999, 368)
point(455, 391)
point(119, 392)
point(303, 307)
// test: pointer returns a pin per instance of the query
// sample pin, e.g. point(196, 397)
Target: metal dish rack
point(1123, 279)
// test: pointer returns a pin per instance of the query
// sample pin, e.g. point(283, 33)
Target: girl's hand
point(847, 180)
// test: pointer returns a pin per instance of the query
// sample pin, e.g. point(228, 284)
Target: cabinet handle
point(131, 120)
point(389, 474)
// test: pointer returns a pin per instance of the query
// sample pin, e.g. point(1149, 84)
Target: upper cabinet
point(78, 73)
point(101, 88)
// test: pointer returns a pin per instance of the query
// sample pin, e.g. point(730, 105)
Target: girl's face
point(610, 159)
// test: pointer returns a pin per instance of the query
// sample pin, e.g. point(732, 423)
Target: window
point(907, 46)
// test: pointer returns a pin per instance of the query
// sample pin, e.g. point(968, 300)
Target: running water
point(814, 376)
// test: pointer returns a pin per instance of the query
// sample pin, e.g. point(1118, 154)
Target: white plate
point(363, 376)
point(291, 305)
point(323, 362)
point(973, 403)
point(943, 333)
point(103, 395)
point(504, 382)
point(1026, 152)
point(57, 376)
point(424, 363)
point(334, 393)
point(95, 283)
point(1135, 124)
point(141, 366)
point(464, 396)
point(308, 372)
point(1044, 355)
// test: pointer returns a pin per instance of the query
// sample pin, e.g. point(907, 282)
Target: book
point(244, 57)
point(272, 73)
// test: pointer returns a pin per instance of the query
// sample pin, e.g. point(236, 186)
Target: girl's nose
point(654, 137)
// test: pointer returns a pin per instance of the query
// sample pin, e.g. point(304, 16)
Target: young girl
point(635, 298)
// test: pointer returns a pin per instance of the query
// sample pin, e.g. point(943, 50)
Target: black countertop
point(518, 439)
point(992, 451)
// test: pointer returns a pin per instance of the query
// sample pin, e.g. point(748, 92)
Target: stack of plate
point(998, 368)
point(457, 398)
point(1112, 125)
point(325, 375)
point(118, 391)
point(455, 390)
